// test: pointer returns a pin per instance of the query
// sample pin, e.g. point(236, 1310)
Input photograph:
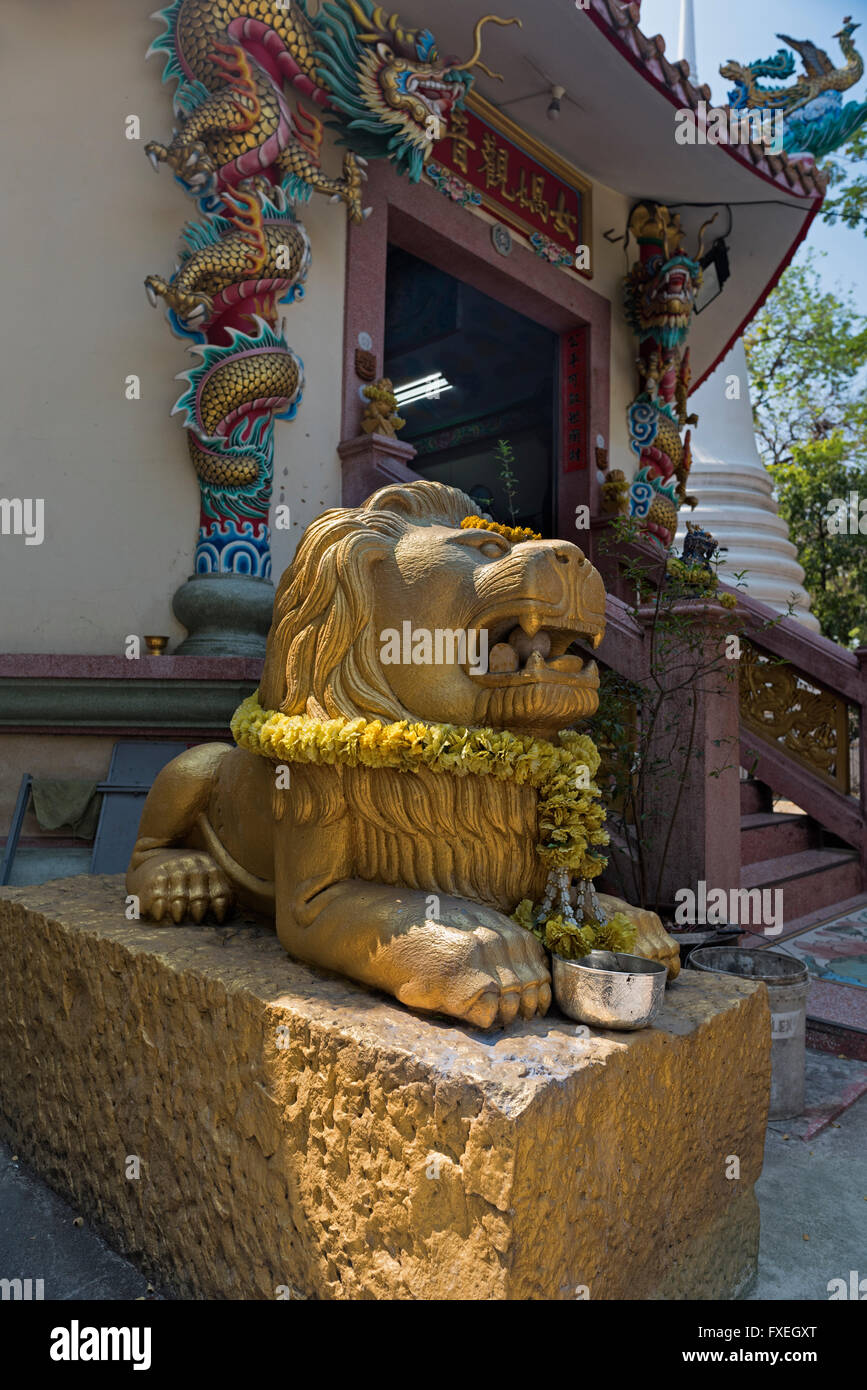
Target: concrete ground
point(39, 1240)
point(814, 1185)
point(813, 1189)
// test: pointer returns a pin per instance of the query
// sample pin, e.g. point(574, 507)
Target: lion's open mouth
point(526, 650)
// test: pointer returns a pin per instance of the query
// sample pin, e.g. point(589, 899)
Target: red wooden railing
point(804, 751)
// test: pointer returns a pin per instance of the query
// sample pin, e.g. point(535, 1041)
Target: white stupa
point(734, 490)
point(728, 477)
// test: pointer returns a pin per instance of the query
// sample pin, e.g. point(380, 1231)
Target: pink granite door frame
point(419, 219)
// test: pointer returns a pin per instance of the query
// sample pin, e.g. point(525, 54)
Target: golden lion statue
point(372, 862)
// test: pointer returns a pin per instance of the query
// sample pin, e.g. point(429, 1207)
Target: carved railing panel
point(802, 718)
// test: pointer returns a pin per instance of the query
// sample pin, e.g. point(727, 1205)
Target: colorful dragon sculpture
point(816, 119)
point(247, 148)
point(659, 299)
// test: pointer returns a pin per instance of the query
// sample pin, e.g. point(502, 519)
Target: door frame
point(422, 221)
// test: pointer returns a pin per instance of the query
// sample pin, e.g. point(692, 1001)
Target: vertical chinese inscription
point(574, 400)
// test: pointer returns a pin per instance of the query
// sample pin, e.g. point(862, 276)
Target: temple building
point(370, 760)
point(445, 301)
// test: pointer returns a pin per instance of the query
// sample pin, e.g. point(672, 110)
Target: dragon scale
point(255, 80)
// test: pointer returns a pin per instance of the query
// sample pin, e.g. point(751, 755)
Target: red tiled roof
point(648, 55)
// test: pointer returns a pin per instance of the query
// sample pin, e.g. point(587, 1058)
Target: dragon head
point(660, 290)
point(392, 93)
point(742, 77)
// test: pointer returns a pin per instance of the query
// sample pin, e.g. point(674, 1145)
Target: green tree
point(807, 351)
point(847, 196)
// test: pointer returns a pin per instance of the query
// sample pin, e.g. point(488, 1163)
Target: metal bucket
point(786, 979)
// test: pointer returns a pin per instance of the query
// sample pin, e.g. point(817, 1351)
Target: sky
point(747, 30)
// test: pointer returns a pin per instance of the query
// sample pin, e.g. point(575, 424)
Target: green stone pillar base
point(225, 615)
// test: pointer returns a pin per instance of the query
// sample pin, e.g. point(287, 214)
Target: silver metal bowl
point(627, 999)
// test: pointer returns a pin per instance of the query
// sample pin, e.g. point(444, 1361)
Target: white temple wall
point(611, 210)
point(84, 219)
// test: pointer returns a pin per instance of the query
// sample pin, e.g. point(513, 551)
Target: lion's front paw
point(180, 884)
point(481, 967)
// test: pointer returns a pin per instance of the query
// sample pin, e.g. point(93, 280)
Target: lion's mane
point(323, 656)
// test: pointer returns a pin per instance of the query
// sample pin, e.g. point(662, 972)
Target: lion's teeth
point(503, 658)
point(535, 662)
point(568, 664)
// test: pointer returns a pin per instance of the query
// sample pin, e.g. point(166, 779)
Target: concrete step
point(770, 835)
point(810, 879)
point(755, 796)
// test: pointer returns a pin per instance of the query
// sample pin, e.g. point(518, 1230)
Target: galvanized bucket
point(786, 979)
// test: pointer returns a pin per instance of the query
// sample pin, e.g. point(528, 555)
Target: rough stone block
point(302, 1136)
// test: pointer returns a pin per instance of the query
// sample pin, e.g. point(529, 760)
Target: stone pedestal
point(302, 1137)
point(224, 614)
point(372, 461)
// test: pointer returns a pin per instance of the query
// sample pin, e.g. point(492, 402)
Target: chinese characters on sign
point(574, 401)
point(530, 192)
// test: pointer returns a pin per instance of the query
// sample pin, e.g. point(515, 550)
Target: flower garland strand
point(571, 819)
point(515, 534)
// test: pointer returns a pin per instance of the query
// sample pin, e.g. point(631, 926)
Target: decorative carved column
point(247, 148)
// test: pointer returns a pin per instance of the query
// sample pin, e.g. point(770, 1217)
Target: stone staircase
point(816, 871)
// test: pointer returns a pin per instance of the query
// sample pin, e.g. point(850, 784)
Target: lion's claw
point(182, 885)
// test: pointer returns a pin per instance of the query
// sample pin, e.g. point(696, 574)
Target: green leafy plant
point(505, 458)
point(647, 731)
point(847, 173)
point(807, 353)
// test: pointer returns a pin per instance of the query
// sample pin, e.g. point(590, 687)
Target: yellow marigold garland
point(515, 534)
point(572, 940)
point(570, 817)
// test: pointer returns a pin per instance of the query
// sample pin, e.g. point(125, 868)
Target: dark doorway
point(500, 372)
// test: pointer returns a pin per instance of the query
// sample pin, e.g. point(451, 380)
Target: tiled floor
point(835, 954)
point(836, 951)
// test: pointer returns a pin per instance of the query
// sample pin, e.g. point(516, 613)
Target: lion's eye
point(492, 549)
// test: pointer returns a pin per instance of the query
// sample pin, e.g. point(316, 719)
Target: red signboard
point(523, 184)
point(574, 402)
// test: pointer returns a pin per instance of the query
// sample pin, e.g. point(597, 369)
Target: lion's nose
point(569, 555)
